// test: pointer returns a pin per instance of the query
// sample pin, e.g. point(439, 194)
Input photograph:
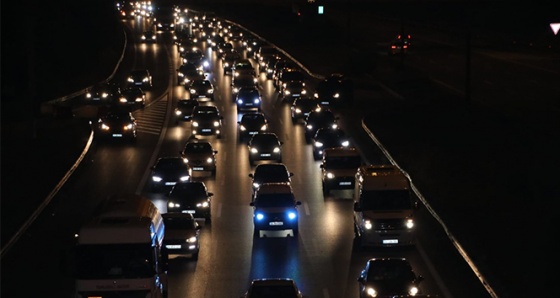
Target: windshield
point(114, 261)
point(198, 147)
point(385, 200)
point(343, 162)
point(174, 223)
point(275, 200)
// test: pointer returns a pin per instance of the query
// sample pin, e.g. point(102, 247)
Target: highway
point(322, 259)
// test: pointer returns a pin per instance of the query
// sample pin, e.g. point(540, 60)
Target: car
point(188, 72)
point(214, 40)
point(200, 156)
point(184, 109)
point(286, 75)
point(190, 197)
point(206, 121)
point(273, 288)
point(398, 47)
point(279, 64)
point(196, 57)
point(266, 52)
point(117, 124)
point(185, 42)
point(275, 208)
point(201, 88)
point(250, 124)
point(302, 106)
point(101, 93)
point(223, 48)
point(132, 96)
point(268, 69)
point(243, 66)
point(318, 118)
point(169, 171)
point(388, 277)
point(338, 168)
point(270, 173)
point(141, 78)
point(148, 36)
point(335, 89)
point(326, 137)
point(247, 80)
point(293, 89)
point(228, 59)
point(251, 44)
point(248, 98)
point(265, 146)
point(235, 33)
point(182, 234)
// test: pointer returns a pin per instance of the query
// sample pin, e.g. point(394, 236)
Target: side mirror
point(298, 203)
point(321, 166)
point(291, 174)
point(215, 151)
point(251, 175)
point(210, 194)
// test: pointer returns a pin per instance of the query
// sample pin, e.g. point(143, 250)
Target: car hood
point(179, 234)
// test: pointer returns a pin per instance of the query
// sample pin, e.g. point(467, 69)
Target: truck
point(119, 251)
point(338, 168)
point(384, 207)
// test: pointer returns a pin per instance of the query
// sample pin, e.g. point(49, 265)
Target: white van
point(119, 252)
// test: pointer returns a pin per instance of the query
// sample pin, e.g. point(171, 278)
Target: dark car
point(201, 88)
point(279, 64)
point(292, 90)
point(188, 72)
point(265, 146)
point(200, 156)
point(228, 59)
point(328, 138)
point(101, 93)
point(169, 171)
point(206, 120)
point(248, 98)
point(239, 82)
point(132, 96)
point(141, 78)
point(336, 90)
point(250, 124)
point(117, 124)
point(191, 197)
point(184, 109)
point(270, 173)
point(275, 208)
point(273, 288)
point(302, 106)
point(196, 57)
point(182, 234)
point(148, 36)
point(388, 277)
point(223, 48)
point(317, 119)
point(286, 75)
point(243, 67)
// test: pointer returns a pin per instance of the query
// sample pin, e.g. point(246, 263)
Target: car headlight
point(292, 215)
point(242, 128)
point(345, 143)
point(122, 99)
point(276, 150)
point(371, 292)
point(105, 126)
point(173, 205)
point(216, 123)
point(128, 126)
point(413, 291)
point(303, 91)
point(330, 175)
point(336, 95)
point(318, 144)
point(184, 178)
point(156, 178)
point(210, 91)
point(192, 239)
point(287, 92)
point(264, 127)
point(130, 80)
point(209, 160)
point(195, 124)
point(203, 205)
point(259, 216)
point(254, 150)
point(368, 224)
point(178, 112)
point(256, 100)
point(192, 91)
point(139, 99)
point(409, 223)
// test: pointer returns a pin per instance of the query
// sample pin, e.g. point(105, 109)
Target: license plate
point(345, 183)
point(253, 132)
point(276, 223)
point(138, 83)
point(206, 130)
point(117, 135)
point(173, 246)
point(391, 241)
point(265, 154)
point(295, 95)
point(170, 183)
point(324, 102)
point(188, 211)
point(198, 168)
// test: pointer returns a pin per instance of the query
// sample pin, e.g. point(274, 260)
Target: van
point(383, 207)
point(338, 168)
point(275, 209)
point(119, 252)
